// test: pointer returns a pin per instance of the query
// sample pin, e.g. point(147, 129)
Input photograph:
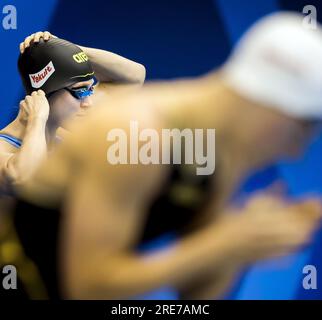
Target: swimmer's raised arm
point(18, 166)
point(110, 67)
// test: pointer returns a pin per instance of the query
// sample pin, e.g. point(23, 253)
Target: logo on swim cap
point(80, 57)
point(38, 79)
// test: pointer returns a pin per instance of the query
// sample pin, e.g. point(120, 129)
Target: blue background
point(174, 38)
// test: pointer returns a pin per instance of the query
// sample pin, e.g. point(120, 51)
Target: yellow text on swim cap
point(80, 57)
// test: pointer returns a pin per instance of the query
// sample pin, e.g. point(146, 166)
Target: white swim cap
point(278, 63)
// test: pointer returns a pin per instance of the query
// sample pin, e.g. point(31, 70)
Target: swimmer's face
point(64, 106)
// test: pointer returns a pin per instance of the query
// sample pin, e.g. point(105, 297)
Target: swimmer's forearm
point(110, 67)
point(127, 276)
point(33, 150)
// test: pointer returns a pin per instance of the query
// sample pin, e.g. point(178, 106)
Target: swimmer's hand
point(34, 38)
point(35, 106)
point(269, 227)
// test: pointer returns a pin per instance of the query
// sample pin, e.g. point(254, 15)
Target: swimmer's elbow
point(94, 287)
point(13, 175)
point(116, 280)
point(139, 74)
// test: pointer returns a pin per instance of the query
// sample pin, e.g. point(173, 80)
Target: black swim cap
point(52, 65)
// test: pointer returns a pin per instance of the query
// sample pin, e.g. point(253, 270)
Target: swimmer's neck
point(51, 129)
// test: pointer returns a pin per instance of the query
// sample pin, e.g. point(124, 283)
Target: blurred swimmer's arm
point(17, 167)
point(277, 229)
point(110, 67)
point(101, 262)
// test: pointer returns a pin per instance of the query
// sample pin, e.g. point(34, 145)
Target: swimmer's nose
point(86, 103)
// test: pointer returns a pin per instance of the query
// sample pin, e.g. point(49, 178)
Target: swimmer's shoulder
point(8, 142)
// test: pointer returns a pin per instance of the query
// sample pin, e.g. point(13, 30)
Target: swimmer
point(59, 78)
